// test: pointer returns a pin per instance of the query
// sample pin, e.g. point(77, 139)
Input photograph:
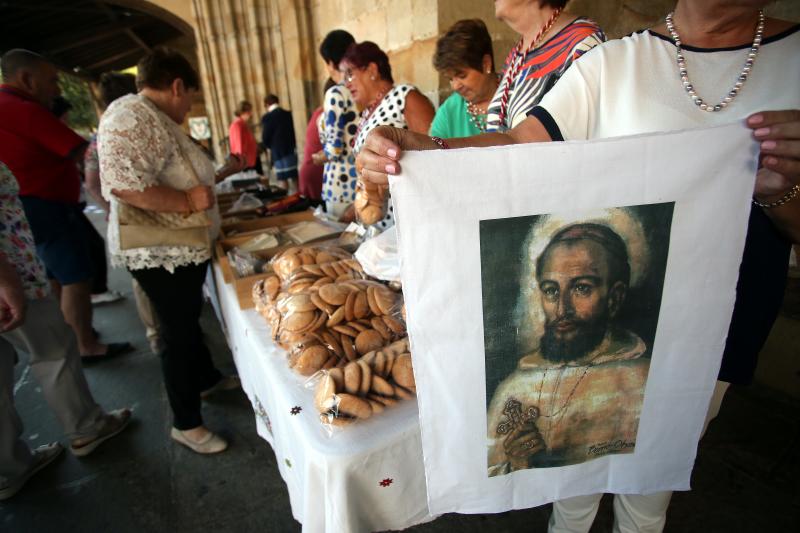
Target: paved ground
point(745, 479)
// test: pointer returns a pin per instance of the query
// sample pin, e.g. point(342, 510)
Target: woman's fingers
point(779, 135)
point(385, 141)
point(785, 148)
point(786, 166)
point(380, 178)
point(379, 155)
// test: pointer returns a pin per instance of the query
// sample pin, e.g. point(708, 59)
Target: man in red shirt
point(41, 152)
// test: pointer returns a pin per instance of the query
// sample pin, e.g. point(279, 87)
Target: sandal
point(112, 425)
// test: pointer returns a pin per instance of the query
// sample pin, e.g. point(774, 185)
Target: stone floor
point(745, 479)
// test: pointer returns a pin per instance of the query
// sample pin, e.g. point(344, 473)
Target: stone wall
point(405, 29)
point(248, 48)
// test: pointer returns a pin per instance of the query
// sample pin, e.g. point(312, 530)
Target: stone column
point(249, 48)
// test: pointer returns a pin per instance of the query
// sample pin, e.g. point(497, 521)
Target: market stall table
point(365, 477)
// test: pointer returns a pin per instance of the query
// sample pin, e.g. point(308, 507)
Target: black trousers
point(97, 251)
point(185, 362)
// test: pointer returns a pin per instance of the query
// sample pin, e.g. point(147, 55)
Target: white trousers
point(633, 513)
point(56, 364)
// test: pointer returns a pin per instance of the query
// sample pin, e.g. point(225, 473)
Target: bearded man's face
point(574, 284)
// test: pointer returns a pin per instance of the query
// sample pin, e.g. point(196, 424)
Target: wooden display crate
point(244, 285)
point(253, 226)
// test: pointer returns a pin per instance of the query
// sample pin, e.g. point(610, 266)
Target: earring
point(372, 78)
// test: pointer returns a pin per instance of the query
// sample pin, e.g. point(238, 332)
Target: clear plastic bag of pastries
point(364, 387)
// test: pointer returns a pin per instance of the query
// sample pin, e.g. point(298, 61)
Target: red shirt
point(310, 174)
point(36, 146)
point(242, 142)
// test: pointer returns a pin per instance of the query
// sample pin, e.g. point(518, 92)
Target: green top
point(453, 120)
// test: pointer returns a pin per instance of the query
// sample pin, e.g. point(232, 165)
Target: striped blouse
point(541, 70)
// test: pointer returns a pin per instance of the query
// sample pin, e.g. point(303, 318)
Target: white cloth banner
point(568, 304)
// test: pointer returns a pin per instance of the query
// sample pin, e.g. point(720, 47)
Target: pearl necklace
point(748, 65)
point(477, 116)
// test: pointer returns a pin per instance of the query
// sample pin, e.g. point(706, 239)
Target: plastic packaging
point(379, 256)
point(268, 238)
point(246, 263)
point(350, 318)
point(365, 387)
point(286, 262)
point(245, 202)
point(371, 202)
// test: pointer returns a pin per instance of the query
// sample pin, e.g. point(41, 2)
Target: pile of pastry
point(326, 313)
point(366, 386)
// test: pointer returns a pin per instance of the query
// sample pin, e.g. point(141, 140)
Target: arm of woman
point(383, 148)
point(418, 112)
point(91, 173)
point(12, 296)
point(166, 199)
point(132, 150)
point(779, 135)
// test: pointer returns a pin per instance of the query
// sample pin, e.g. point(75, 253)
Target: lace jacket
point(137, 147)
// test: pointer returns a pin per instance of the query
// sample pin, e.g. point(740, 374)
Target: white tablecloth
point(366, 477)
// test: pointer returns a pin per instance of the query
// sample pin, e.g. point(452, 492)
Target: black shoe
point(112, 350)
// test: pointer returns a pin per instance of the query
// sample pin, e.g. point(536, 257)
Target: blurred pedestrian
point(277, 135)
point(43, 152)
point(241, 139)
point(31, 321)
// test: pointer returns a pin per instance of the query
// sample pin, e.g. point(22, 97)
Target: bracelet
point(441, 142)
point(790, 195)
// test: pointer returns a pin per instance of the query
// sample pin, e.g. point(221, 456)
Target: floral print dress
point(16, 238)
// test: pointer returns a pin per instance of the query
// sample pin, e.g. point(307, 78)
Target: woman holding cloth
point(368, 77)
point(146, 161)
point(709, 63)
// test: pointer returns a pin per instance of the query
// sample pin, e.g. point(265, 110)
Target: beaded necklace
point(365, 114)
point(519, 58)
point(684, 73)
point(477, 116)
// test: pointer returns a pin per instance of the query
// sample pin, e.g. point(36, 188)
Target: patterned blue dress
point(339, 125)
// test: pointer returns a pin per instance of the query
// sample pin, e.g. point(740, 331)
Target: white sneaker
point(42, 456)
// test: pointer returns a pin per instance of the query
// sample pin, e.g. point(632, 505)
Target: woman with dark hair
point(242, 141)
point(464, 56)
point(550, 41)
point(112, 85)
point(146, 161)
point(708, 63)
point(339, 123)
point(368, 75)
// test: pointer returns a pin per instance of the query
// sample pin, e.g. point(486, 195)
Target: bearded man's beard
point(588, 336)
